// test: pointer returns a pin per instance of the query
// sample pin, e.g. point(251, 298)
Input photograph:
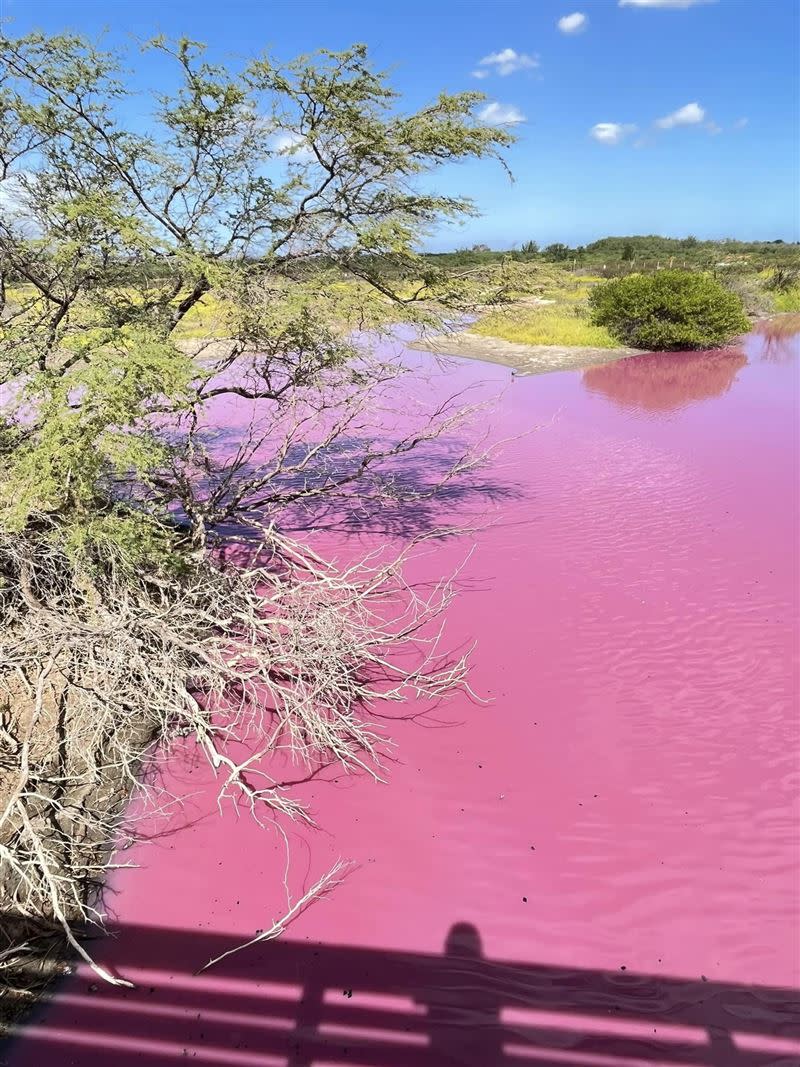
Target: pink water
point(619, 824)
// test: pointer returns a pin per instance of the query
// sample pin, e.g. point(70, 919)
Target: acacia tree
point(279, 209)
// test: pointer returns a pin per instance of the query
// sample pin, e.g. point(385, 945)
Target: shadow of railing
point(304, 1005)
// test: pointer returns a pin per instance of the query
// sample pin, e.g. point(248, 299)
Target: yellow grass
point(206, 319)
point(552, 325)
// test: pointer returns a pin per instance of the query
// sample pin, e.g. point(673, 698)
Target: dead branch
point(284, 653)
point(320, 888)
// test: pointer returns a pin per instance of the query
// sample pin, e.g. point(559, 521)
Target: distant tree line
point(633, 249)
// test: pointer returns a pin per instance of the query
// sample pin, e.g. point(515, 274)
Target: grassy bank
point(564, 320)
point(549, 325)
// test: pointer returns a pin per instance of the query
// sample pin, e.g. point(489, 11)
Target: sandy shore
point(524, 359)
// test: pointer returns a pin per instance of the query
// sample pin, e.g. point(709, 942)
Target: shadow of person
point(463, 1012)
point(309, 1004)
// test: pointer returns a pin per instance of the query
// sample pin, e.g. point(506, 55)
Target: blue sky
point(645, 116)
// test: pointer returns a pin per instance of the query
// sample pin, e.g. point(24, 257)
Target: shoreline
point(544, 359)
point(521, 358)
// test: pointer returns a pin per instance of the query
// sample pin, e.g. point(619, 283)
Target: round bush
point(668, 310)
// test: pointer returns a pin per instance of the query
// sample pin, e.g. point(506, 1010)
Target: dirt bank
point(60, 802)
point(524, 359)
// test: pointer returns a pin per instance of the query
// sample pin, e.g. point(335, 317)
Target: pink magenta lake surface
point(598, 865)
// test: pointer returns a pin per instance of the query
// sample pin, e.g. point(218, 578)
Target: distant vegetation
point(649, 252)
point(669, 310)
point(653, 252)
point(763, 277)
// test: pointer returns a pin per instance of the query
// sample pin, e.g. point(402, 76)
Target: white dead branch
point(320, 888)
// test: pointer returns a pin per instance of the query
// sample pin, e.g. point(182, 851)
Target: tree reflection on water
point(777, 340)
point(666, 381)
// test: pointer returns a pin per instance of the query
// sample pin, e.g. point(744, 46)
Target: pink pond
point(597, 866)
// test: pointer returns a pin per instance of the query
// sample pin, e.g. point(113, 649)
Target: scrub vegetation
point(612, 255)
point(557, 314)
point(669, 310)
point(569, 313)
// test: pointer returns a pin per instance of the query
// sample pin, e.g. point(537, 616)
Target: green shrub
point(557, 252)
point(669, 310)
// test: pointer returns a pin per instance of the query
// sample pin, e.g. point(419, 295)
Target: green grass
point(552, 325)
point(788, 301)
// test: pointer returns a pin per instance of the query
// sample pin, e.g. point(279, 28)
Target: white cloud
point(293, 145)
point(480, 74)
point(664, 3)
point(508, 61)
point(501, 114)
point(7, 194)
point(15, 204)
point(573, 23)
point(678, 4)
point(688, 115)
point(12, 193)
point(713, 128)
point(741, 123)
point(611, 132)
